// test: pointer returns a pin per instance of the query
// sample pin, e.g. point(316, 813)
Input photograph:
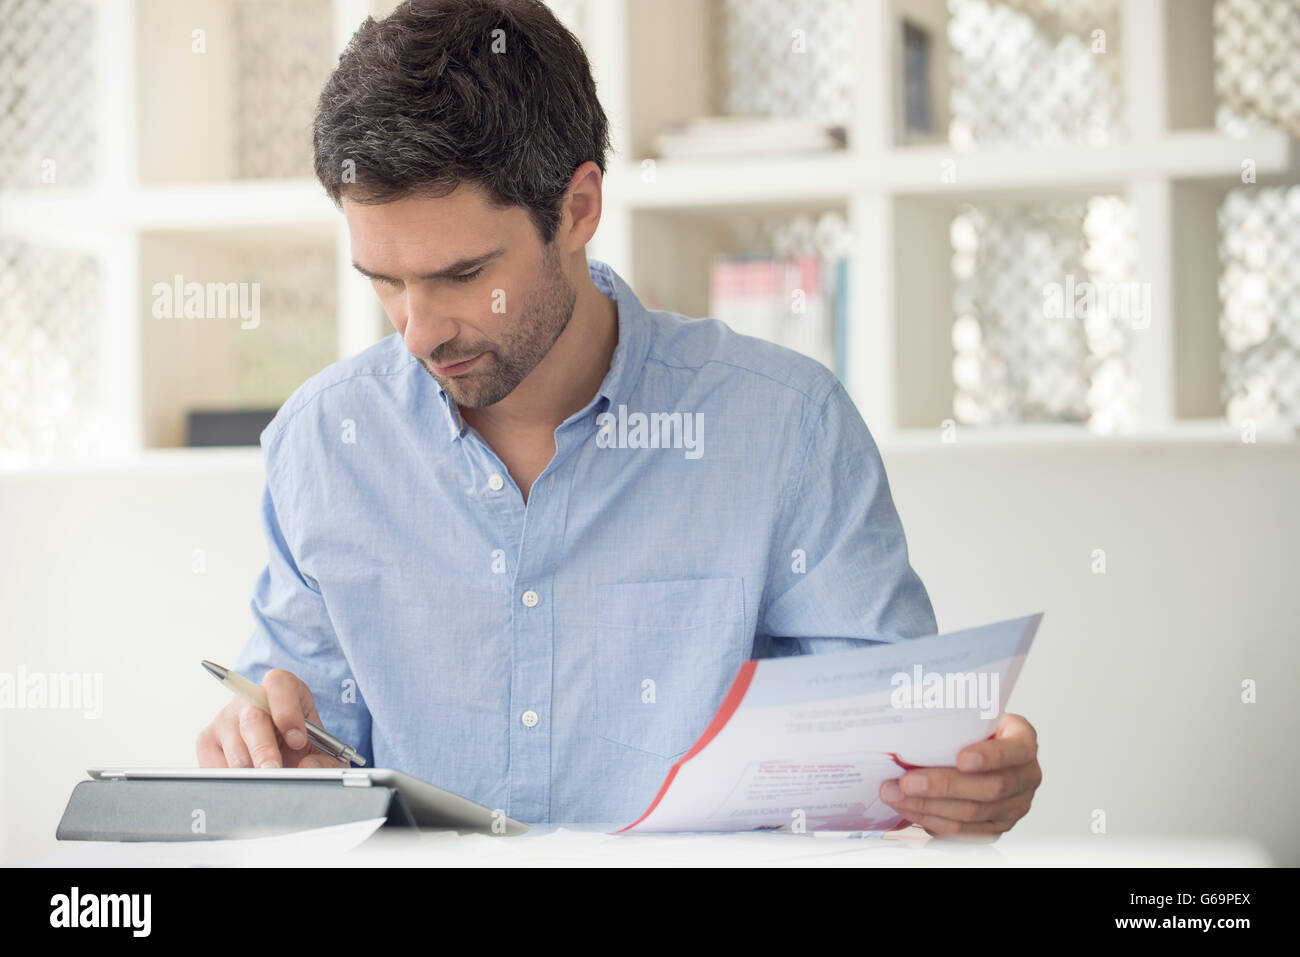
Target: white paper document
point(803, 743)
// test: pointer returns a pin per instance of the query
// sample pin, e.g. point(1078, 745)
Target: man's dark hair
point(420, 103)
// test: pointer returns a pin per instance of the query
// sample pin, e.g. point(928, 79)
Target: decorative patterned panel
point(1257, 65)
point(49, 304)
point(285, 55)
point(1259, 288)
point(803, 234)
point(47, 105)
point(1034, 73)
point(298, 331)
point(785, 58)
point(1030, 344)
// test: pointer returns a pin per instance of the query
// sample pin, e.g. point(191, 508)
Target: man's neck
point(566, 379)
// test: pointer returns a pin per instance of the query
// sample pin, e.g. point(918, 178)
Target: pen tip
point(215, 670)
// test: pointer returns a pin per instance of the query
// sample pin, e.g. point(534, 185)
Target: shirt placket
point(533, 534)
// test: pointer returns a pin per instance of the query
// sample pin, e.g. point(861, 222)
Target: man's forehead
point(421, 235)
point(459, 210)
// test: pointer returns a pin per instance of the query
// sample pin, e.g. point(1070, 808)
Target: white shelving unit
point(1174, 169)
point(146, 218)
point(661, 235)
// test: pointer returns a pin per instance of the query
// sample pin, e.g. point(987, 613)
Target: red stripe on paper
point(729, 705)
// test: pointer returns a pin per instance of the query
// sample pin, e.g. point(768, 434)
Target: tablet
point(430, 806)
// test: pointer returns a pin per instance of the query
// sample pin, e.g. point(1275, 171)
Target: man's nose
point(428, 327)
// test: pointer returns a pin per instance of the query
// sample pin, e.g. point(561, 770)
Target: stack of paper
point(805, 742)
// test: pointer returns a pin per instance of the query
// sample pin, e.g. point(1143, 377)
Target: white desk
point(360, 845)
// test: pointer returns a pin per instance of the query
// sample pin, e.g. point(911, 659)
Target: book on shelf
point(723, 136)
point(798, 302)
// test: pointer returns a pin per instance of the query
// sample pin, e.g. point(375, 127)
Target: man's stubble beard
point(545, 313)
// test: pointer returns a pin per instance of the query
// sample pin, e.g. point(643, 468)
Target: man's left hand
point(988, 792)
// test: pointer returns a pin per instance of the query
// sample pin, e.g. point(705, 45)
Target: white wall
point(1133, 683)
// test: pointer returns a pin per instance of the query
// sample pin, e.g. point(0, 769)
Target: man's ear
point(580, 211)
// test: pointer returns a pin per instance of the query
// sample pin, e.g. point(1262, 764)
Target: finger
point(1016, 724)
point(1010, 809)
point(988, 786)
point(319, 759)
point(979, 831)
point(258, 733)
point(308, 703)
point(284, 694)
point(234, 750)
point(1015, 743)
point(208, 748)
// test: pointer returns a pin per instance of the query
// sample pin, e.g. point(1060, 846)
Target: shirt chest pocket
point(666, 653)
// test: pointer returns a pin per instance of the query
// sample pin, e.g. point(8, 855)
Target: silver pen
point(255, 696)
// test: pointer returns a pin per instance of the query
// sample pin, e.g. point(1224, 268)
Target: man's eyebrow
point(468, 264)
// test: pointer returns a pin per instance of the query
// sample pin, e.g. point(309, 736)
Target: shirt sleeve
point(839, 574)
point(292, 630)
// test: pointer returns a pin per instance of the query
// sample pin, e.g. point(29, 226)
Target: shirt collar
point(628, 359)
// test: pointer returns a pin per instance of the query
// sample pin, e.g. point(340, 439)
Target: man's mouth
point(458, 368)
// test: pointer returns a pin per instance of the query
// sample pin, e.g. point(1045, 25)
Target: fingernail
point(269, 763)
point(914, 784)
point(972, 762)
point(891, 792)
point(296, 739)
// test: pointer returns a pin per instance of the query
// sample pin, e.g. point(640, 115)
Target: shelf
point(1194, 154)
point(703, 185)
point(193, 206)
point(918, 171)
point(250, 203)
point(715, 184)
point(1032, 434)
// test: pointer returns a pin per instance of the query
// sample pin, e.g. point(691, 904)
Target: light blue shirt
point(719, 499)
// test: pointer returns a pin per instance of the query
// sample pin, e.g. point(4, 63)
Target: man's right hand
point(244, 736)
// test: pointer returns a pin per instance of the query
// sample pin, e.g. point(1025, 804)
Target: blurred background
point(1051, 246)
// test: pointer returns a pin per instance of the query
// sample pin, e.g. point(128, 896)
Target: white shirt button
point(530, 598)
point(529, 718)
point(495, 482)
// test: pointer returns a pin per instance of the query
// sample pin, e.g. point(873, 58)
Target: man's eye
point(469, 276)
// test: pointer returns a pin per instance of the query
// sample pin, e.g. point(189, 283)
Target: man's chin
point(476, 389)
point(470, 397)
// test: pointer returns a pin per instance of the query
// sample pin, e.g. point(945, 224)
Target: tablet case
point(166, 810)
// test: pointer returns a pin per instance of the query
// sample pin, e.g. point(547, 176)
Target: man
point(520, 548)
